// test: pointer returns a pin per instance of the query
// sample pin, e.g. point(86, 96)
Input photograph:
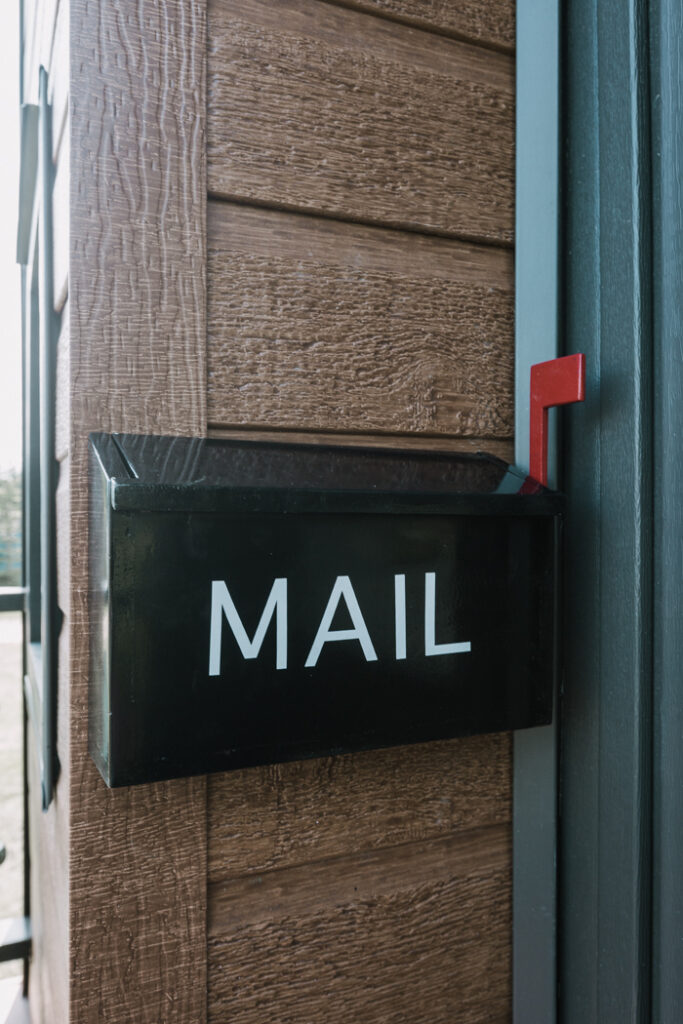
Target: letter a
point(342, 588)
point(222, 603)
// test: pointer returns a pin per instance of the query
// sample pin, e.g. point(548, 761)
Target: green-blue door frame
point(666, 50)
point(598, 916)
point(606, 715)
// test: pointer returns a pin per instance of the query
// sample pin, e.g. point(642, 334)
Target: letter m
point(223, 605)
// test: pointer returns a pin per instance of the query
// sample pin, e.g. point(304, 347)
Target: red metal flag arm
point(555, 382)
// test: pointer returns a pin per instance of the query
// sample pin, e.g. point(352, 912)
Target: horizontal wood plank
point(283, 815)
point(420, 442)
point(302, 890)
point(329, 110)
point(489, 22)
point(329, 326)
point(420, 933)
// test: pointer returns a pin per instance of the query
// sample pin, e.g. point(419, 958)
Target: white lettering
point(223, 604)
point(431, 647)
point(400, 616)
point(342, 588)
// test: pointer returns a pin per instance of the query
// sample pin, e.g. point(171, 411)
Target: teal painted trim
point(537, 206)
point(28, 177)
point(666, 36)
point(534, 880)
point(12, 599)
point(606, 713)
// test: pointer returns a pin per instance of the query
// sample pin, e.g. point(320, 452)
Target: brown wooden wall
point(359, 274)
point(278, 219)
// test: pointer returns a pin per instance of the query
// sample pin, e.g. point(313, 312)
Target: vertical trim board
point(137, 301)
point(667, 105)
point(537, 197)
point(606, 777)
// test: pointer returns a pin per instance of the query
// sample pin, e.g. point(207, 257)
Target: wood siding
point(333, 326)
point(491, 24)
point(356, 164)
point(420, 933)
point(119, 879)
point(338, 112)
point(138, 329)
point(313, 241)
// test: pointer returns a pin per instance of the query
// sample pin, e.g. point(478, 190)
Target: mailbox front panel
point(230, 638)
point(238, 626)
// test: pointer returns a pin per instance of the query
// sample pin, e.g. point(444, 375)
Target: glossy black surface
point(169, 516)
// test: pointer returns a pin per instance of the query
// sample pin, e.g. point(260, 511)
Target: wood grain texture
point(489, 22)
point(284, 815)
point(137, 359)
point(420, 933)
point(328, 326)
point(138, 213)
point(301, 890)
point(502, 449)
point(325, 109)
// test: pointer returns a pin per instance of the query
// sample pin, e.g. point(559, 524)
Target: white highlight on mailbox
point(400, 616)
point(223, 606)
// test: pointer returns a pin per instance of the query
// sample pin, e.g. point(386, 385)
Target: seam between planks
point(426, 26)
point(299, 889)
point(228, 199)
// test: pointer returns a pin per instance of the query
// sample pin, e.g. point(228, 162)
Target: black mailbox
point(253, 603)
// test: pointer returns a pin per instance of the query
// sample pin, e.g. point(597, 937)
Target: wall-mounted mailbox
point(255, 603)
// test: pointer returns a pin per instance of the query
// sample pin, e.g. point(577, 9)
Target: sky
point(10, 286)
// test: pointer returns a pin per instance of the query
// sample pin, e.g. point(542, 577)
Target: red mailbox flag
point(555, 382)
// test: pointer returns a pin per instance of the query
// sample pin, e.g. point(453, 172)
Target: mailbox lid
point(152, 473)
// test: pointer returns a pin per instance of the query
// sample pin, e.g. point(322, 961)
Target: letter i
point(400, 615)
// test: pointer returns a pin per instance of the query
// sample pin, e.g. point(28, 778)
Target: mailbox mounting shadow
point(253, 603)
